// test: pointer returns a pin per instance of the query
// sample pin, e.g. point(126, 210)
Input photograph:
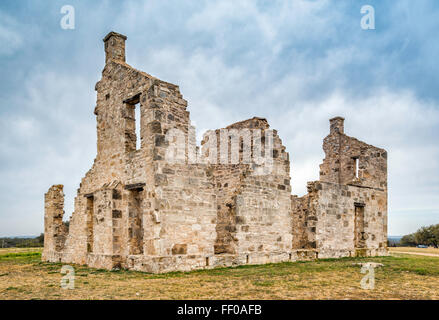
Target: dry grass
point(4, 251)
point(415, 250)
point(24, 276)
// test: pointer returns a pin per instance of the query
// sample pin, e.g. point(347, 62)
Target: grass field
point(4, 251)
point(24, 276)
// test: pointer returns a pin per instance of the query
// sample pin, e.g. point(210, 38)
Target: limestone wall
point(336, 225)
point(54, 230)
point(253, 211)
point(344, 154)
point(345, 213)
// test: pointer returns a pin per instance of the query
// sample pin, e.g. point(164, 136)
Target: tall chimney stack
point(336, 125)
point(114, 47)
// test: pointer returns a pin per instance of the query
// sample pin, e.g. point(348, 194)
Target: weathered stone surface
point(136, 210)
point(54, 229)
point(345, 213)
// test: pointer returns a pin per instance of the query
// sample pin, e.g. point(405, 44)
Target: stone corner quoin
point(136, 210)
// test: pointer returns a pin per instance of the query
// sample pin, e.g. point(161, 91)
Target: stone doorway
point(360, 235)
point(135, 222)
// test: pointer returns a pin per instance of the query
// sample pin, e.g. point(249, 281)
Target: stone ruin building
point(136, 210)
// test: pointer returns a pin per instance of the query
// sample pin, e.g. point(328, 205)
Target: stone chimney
point(114, 47)
point(336, 125)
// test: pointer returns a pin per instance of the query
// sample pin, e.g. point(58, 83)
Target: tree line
point(428, 236)
point(17, 242)
point(22, 242)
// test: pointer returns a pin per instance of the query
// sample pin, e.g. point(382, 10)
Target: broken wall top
point(350, 161)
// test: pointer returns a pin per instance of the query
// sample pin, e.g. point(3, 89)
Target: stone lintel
point(364, 187)
point(135, 186)
point(359, 204)
point(133, 100)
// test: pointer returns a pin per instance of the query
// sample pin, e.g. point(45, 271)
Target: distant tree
point(40, 239)
point(428, 236)
point(422, 236)
point(408, 241)
point(435, 233)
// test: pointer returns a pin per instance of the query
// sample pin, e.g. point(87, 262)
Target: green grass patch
point(20, 254)
point(16, 289)
point(20, 257)
point(263, 283)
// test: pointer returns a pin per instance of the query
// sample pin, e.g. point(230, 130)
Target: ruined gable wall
point(113, 161)
point(263, 209)
point(227, 177)
point(344, 215)
point(339, 165)
point(176, 202)
point(253, 206)
point(180, 224)
point(372, 171)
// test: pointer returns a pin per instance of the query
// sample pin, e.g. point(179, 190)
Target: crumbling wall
point(227, 170)
point(55, 231)
point(182, 215)
point(344, 154)
point(336, 220)
point(253, 212)
point(345, 213)
point(115, 161)
point(329, 215)
point(304, 220)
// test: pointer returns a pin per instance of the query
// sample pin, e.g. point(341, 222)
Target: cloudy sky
point(296, 63)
